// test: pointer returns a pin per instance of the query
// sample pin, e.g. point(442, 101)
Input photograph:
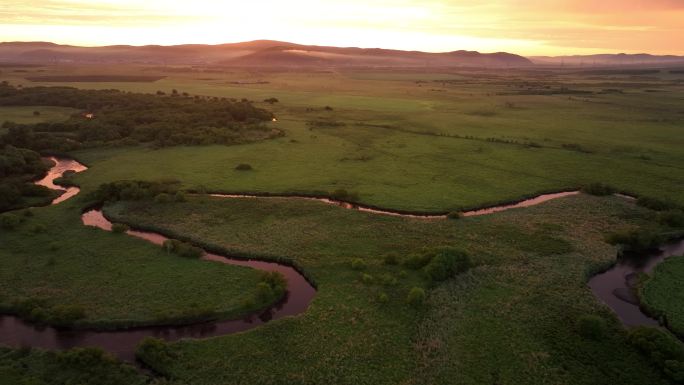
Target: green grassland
point(400, 145)
point(662, 293)
point(117, 281)
point(511, 319)
point(79, 366)
point(400, 139)
point(25, 114)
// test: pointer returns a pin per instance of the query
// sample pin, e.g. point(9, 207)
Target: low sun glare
point(526, 27)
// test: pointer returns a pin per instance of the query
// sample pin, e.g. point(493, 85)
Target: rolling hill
point(264, 53)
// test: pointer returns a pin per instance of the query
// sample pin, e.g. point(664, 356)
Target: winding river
point(374, 210)
point(16, 332)
point(612, 286)
point(615, 287)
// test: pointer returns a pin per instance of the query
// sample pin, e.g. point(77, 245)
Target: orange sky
point(548, 27)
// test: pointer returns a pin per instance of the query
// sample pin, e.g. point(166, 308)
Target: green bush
point(367, 278)
point(66, 314)
point(344, 195)
point(180, 197)
point(417, 261)
point(659, 345)
point(39, 311)
point(156, 352)
point(247, 303)
point(592, 327)
point(672, 218)
point(445, 263)
point(243, 167)
point(85, 358)
point(455, 215)
point(134, 190)
point(358, 264)
point(275, 280)
point(637, 240)
point(119, 228)
point(383, 298)
point(416, 297)
point(599, 189)
point(391, 259)
point(264, 292)
point(656, 204)
point(271, 285)
point(662, 348)
point(387, 280)
point(162, 198)
point(10, 221)
point(182, 249)
point(38, 228)
point(675, 370)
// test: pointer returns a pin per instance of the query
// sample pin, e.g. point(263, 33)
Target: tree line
point(113, 117)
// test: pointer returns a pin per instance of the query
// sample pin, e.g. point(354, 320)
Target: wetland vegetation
point(499, 298)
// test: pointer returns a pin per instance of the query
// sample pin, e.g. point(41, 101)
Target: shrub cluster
point(10, 221)
point(416, 297)
point(445, 263)
point(120, 228)
point(358, 264)
point(662, 348)
point(155, 351)
point(672, 218)
point(454, 215)
point(83, 366)
point(183, 249)
point(163, 198)
point(243, 167)
point(391, 259)
point(592, 327)
point(344, 195)
point(36, 310)
point(18, 167)
point(272, 285)
point(417, 261)
point(367, 278)
point(656, 204)
point(138, 190)
point(599, 189)
point(383, 298)
point(637, 240)
point(440, 264)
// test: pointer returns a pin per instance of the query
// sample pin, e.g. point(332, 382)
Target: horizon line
point(328, 46)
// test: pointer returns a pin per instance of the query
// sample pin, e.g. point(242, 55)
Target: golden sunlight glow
point(521, 26)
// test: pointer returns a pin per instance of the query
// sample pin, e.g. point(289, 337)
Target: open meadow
point(428, 142)
point(493, 299)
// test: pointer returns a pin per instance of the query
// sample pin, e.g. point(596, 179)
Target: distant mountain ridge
point(262, 53)
point(620, 59)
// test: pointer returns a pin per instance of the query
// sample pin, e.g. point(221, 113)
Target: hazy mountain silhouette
point(265, 53)
point(620, 59)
